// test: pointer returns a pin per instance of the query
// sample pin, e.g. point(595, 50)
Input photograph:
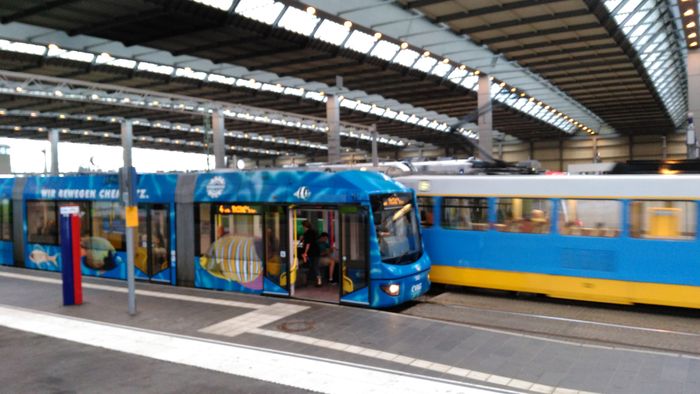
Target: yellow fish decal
point(233, 258)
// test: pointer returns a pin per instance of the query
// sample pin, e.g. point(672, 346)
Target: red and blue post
point(70, 255)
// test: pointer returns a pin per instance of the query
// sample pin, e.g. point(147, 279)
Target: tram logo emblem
point(216, 186)
point(302, 193)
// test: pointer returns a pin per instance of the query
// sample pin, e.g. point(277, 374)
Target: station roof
point(560, 67)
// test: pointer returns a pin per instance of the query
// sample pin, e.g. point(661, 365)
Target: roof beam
point(493, 9)
point(567, 51)
point(116, 22)
point(550, 43)
point(424, 3)
point(538, 33)
point(35, 10)
point(525, 21)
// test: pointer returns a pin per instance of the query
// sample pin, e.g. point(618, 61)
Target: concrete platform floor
point(361, 346)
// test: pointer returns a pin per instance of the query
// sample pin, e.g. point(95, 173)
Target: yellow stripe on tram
point(570, 287)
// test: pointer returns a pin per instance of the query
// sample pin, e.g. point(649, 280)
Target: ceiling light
point(692, 35)
point(347, 24)
point(33, 114)
point(477, 72)
point(17, 128)
point(377, 35)
point(52, 46)
point(462, 67)
point(690, 25)
point(694, 44)
point(445, 60)
point(688, 12)
point(19, 89)
point(404, 45)
point(502, 84)
point(58, 93)
point(426, 53)
point(62, 116)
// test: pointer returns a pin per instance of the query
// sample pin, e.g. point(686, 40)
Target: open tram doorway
point(343, 254)
point(318, 259)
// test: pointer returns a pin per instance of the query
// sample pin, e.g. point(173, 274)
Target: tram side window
point(42, 226)
point(108, 223)
point(593, 218)
point(523, 215)
point(203, 220)
point(663, 219)
point(425, 207)
point(6, 219)
point(460, 213)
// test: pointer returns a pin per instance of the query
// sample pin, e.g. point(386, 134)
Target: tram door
point(153, 241)
point(277, 251)
point(354, 255)
point(305, 281)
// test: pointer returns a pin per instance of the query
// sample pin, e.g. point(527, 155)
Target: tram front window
point(396, 227)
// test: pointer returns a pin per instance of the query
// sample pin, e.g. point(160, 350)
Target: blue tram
point(248, 226)
point(617, 239)
point(235, 231)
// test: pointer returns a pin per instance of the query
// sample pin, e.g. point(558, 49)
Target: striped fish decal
point(234, 258)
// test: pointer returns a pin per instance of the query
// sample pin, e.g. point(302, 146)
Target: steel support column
point(375, 155)
point(485, 117)
point(219, 131)
point(53, 138)
point(129, 195)
point(333, 122)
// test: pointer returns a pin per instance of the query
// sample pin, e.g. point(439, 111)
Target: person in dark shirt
point(311, 254)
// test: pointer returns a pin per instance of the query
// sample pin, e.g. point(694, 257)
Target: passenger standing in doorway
point(310, 254)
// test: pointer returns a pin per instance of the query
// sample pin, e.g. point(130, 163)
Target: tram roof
point(578, 186)
point(292, 186)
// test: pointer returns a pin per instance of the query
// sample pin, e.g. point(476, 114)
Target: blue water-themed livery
point(366, 247)
point(103, 242)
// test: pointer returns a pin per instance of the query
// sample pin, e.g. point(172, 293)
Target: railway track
point(666, 330)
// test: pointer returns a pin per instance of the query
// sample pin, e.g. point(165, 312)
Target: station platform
point(185, 339)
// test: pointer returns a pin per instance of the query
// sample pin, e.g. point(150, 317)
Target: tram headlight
point(392, 289)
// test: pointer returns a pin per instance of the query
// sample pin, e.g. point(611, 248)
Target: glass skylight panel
point(265, 11)
point(360, 42)
point(220, 4)
point(22, 47)
point(347, 103)
point(528, 106)
point(189, 73)
point(406, 57)
point(268, 87)
point(441, 69)
point(390, 114)
point(298, 21)
point(315, 96)
point(385, 50)
point(248, 83)
point(364, 107)
point(294, 91)
point(222, 79)
point(495, 89)
point(155, 68)
point(78, 56)
point(331, 32)
point(423, 122)
point(470, 82)
point(425, 63)
point(379, 111)
point(457, 74)
point(519, 104)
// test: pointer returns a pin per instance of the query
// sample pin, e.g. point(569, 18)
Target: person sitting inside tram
point(310, 255)
point(326, 254)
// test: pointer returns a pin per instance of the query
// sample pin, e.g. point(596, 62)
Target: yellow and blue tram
point(613, 238)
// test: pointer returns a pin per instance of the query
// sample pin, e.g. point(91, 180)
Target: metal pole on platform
point(375, 155)
point(53, 138)
point(128, 197)
point(219, 129)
